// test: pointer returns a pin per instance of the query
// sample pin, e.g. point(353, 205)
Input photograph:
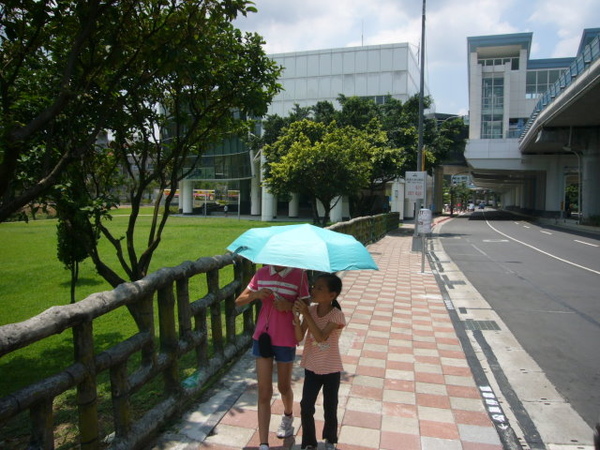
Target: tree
point(76, 235)
point(165, 80)
point(206, 86)
point(69, 69)
point(323, 162)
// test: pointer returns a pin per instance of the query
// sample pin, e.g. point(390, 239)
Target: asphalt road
point(545, 285)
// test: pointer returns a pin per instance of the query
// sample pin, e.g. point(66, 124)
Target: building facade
point(308, 77)
point(506, 87)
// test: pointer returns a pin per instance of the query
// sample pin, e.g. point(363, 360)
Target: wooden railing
point(205, 327)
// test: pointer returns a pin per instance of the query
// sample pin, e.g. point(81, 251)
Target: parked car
point(471, 207)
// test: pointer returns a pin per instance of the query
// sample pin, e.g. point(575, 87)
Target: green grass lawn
point(32, 279)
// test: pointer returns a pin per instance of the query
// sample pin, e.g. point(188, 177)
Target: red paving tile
point(362, 419)
point(433, 401)
point(396, 441)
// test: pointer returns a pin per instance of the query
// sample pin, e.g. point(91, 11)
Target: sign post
point(424, 223)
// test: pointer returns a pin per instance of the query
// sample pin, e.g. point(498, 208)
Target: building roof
point(483, 44)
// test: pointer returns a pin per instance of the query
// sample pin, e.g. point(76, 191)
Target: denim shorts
point(282, 354)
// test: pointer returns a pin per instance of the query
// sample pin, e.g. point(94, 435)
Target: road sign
point(415, 185)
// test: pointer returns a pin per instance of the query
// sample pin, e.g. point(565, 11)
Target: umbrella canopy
point(304, 247)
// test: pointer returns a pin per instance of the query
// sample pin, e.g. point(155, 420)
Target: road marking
point(586, 243)
point(525, 226)
point(479, 250)
point(545, 232)
point(542, 251)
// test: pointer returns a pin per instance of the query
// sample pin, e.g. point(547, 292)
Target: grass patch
point(32, 279)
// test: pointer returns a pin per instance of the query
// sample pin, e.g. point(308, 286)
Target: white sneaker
point(263, 447)
point(329, 445)
point(285, 427)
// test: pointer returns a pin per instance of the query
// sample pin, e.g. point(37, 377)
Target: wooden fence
point(204, 327)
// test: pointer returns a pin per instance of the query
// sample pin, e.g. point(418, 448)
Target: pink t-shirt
point(324, 357)
point(291, 284)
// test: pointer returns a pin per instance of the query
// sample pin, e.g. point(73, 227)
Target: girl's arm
point(319, 334)
point(299, 328)
point(308, 322)
point(249, 296)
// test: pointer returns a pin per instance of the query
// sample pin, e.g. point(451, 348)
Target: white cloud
point(294, 25)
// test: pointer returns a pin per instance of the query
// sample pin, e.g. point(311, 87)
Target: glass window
point(492, 107)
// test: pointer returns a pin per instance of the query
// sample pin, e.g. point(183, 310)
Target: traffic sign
point(415, 185)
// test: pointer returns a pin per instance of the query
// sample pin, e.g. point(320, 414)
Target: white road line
point(479, 250)
point(542, 251)
point(545, 232)
point(586, 243)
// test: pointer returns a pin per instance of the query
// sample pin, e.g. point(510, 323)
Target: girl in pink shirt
point(278, 289)
point(321, 357)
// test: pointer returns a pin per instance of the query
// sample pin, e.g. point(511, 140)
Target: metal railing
point(590, 53)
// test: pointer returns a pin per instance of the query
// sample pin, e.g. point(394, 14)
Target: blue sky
point(296, 25)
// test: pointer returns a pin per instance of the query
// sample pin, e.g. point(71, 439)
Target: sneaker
point(285, 427)
point(263, 447)
point(329, 445)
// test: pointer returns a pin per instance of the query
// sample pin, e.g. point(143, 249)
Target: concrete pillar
point(268, 200)
point(186, 197)
point(590, 183)
point(554, 186)
point(438, 190)
point(397, 197)
point(294, 206)
point(336, 213)
point(255, 196)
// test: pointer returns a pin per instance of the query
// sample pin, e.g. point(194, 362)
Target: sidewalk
point(407, 383)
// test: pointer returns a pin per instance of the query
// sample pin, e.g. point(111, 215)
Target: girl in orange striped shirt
point(321, 357)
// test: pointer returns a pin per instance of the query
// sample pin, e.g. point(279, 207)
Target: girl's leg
point(284, 384)
point(310, 391)
point(264, 374)
point(331, 387)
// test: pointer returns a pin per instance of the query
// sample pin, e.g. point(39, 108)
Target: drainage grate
point(484, 325)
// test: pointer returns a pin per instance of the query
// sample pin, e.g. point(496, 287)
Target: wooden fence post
point(42, 426)
point(168, 338)
point(87, 394)
point(216, 323)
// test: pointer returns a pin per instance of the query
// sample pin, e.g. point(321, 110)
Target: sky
point(298, 25)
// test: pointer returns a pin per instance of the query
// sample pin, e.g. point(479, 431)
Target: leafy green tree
point(70, 69)
point(205, 87)
point(75, 233)
point(323, 162)
point(164, 80)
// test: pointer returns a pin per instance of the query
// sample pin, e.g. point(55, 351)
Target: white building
point(507, 89)
point(308, 77)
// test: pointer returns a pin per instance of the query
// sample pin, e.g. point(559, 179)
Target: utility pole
point(421, 94)
point(420, 164)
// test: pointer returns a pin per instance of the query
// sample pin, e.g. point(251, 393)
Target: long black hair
point(334, 284)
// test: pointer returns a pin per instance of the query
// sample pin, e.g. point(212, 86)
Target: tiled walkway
point(406, 385)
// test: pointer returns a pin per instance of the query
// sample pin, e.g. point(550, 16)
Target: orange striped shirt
point(324, 357)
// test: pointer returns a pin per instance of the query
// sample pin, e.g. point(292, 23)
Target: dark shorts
point(282, 354)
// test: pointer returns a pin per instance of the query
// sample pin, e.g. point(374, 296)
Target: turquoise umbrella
point(303, 246)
